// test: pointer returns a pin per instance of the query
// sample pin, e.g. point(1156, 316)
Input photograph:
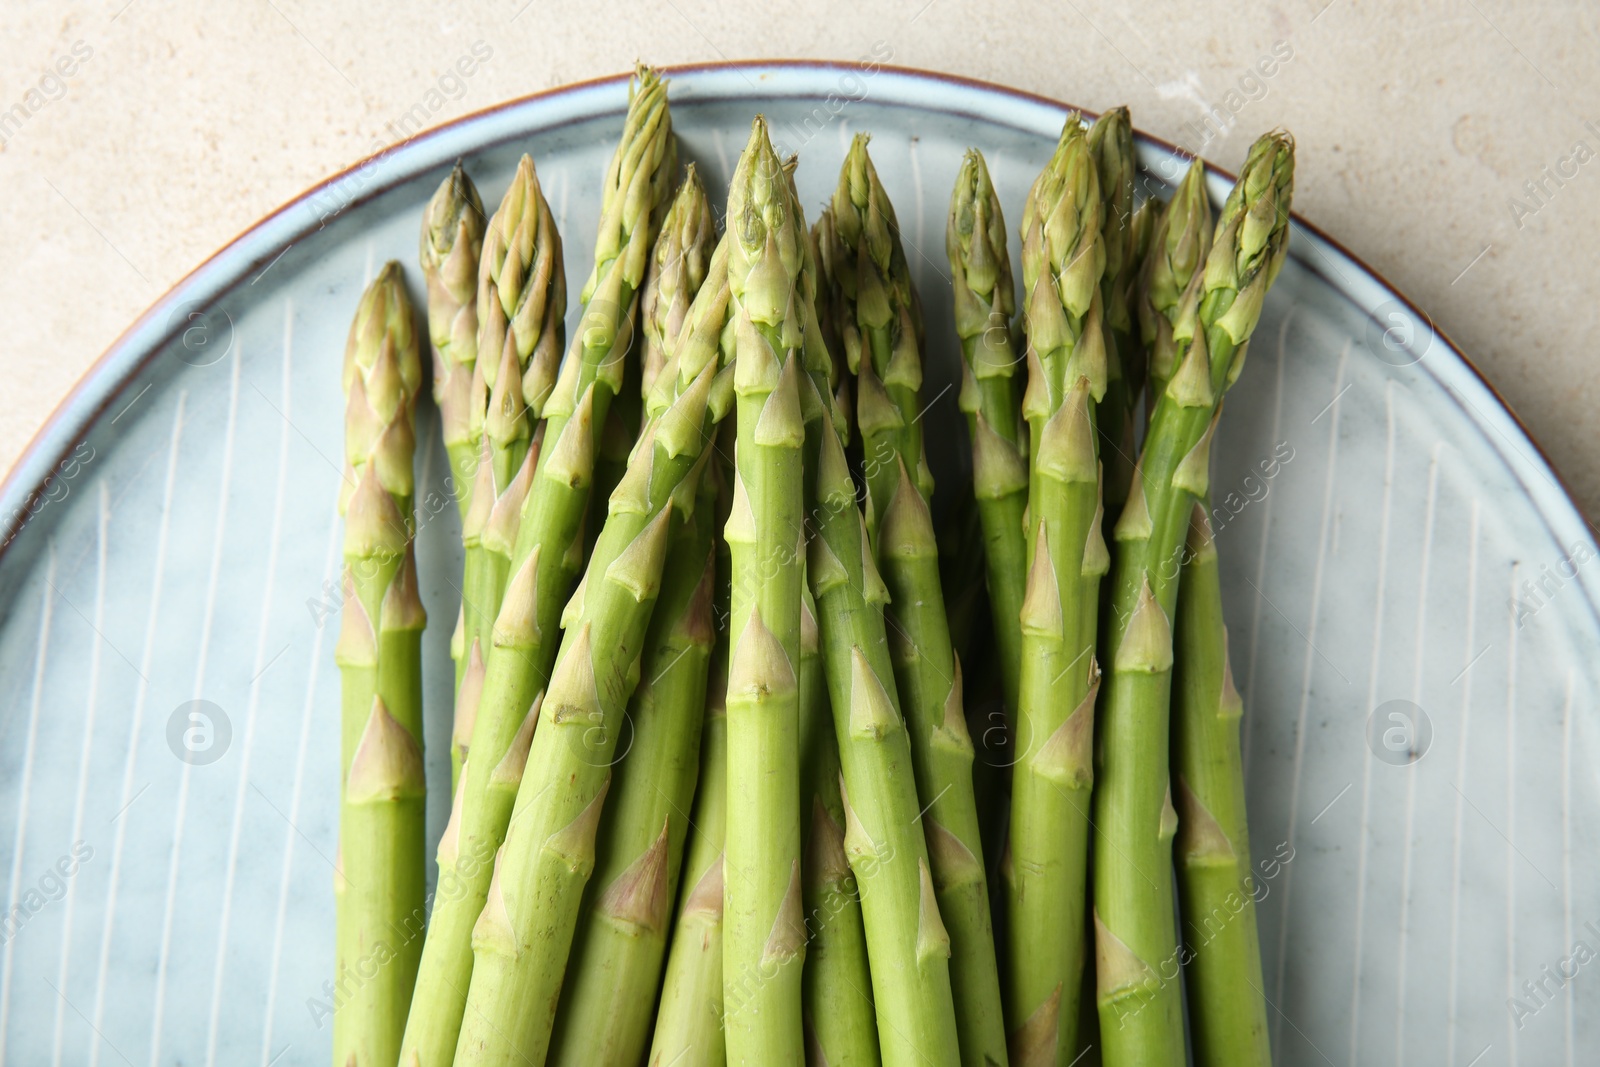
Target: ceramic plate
point(1411, 594)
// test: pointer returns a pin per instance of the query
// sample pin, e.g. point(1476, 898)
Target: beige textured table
point(138, 137)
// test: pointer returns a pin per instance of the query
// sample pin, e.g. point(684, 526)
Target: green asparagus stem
point(1180, 240)
point(545, 560)
point(608, 1001)
point(962, 575)
point(840, 1028)
point(379, 881)
point(971, 642)
point(1141, 1017)
point(983, 695)
point(980, 278)
point(522, 941)
point(688, 1031)
point(764, 940)
point(451, 245)
point(617, 439)
point(477, 579)
point(1046, 877)
point(878, 316)
point(489, 533)
point(1227, 1006)
point(1110, 141)
point(907, 944)
point(609, 997)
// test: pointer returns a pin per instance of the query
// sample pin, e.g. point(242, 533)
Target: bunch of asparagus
point(714, 791)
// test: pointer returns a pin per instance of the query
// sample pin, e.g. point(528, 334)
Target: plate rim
point(221, 271)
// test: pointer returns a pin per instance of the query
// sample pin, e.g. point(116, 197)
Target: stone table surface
point(1449, 143)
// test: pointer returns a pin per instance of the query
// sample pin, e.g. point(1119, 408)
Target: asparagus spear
point(608, 1002)
point(997, 499)
point(1110, 141)
point(522, 940)
point(1063, 261)
point(980, 277)
point(451, 245)
point(688, 1030)
point(1227, 1007)
point(545, 560)
point(925, 671)
point(1141, 1018)
point(379, 884)
point(878, 316)
point(450, 248)
point(840, 1029)
point(764, 939)
point(1180, 240)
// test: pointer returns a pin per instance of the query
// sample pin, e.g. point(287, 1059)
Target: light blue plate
point(1411, 545)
